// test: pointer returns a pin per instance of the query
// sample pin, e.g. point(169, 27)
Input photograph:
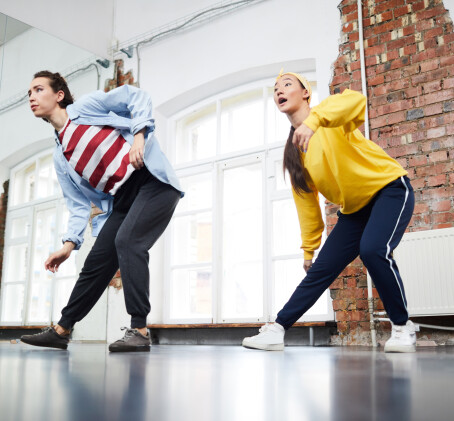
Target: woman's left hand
point(136, 152)
point(302, 136)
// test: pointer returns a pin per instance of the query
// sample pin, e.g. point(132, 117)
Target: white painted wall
point(449, 4)
point(251, 44)
point(267, 34)
point(152, 14)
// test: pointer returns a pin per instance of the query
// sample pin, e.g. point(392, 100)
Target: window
point(36, 221)
point(233, 245)
point(192, 257)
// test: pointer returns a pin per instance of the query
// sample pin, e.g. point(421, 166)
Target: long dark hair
point(294, 165)
point(58, 83)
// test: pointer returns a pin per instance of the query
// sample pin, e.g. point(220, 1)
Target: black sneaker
point(133, 341)
point(48, 338)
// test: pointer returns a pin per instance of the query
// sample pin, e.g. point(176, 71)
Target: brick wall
point(409, 54)
point(3, 207)
point(120, 78)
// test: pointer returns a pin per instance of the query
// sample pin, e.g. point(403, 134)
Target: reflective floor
point(179, 382)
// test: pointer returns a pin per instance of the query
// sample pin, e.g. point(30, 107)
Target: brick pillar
point(409, 54)
point(120, 78)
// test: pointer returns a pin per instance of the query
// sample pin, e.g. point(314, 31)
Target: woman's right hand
point(54, 261)
point(301, 137)
point(136, 151)
point(307, 264)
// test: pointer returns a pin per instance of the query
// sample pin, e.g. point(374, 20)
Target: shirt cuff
point(74, 240)
point(312, 122)
point(308, 255)
point(138, 124)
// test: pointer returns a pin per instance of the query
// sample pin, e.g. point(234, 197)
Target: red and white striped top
point(99, 154)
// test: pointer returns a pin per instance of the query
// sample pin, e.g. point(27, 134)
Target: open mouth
point(282, 100)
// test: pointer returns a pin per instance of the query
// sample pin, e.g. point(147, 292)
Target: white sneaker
point(403, 338)
point(270, 338)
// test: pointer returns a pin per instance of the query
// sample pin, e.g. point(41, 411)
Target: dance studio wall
point(253, 43)
point(250, 44)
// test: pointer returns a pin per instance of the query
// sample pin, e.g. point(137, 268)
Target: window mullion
point(217, 243)
point(35, 186)
point(267, 238)
point(29, 259)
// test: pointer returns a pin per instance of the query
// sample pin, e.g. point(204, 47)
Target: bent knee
point(371, 253)
point(121, 242)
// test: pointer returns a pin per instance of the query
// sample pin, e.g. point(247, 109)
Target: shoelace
point(397, 331)
point(44, 330)
point(264, 328)
point(129, 334)
point(51, 329)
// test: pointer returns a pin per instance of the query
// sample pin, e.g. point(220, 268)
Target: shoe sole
point(58, 346)
point(144, 348)
point(400, 348)
point(263, 347)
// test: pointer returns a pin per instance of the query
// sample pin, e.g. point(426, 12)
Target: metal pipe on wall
point(370, 298)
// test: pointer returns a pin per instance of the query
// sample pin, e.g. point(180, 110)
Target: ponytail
point(293, 164)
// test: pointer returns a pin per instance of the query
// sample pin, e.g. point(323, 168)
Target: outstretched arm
point(347, 109)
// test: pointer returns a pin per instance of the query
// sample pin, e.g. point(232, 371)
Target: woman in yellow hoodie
point(326, 153)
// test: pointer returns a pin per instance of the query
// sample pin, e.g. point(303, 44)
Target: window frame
point(168, 266)
point(268, 151)
point(30, 208)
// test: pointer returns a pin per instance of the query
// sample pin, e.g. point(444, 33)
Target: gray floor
point(185, 382)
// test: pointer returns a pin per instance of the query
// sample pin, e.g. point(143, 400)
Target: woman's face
point(43, 100)
point(289, 95)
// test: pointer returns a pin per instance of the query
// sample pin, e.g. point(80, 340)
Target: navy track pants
point(372, 233)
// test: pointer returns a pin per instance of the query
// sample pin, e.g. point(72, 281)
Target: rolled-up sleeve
point(125, 101)
point(311, 221)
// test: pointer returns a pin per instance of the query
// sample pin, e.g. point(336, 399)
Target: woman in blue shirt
point(132, 219)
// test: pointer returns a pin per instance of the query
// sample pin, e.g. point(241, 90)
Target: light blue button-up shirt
point(125, 108)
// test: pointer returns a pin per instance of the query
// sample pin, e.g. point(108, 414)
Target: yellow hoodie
point(344, 166)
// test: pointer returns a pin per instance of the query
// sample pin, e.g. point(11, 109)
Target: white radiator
point(426, 265)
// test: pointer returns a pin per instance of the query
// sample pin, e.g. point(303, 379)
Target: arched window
point(36, 220)
point(233, 247)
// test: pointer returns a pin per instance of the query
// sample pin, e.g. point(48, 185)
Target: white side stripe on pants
point(388, 251)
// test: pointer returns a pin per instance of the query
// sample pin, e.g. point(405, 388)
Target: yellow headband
point(302, 79)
